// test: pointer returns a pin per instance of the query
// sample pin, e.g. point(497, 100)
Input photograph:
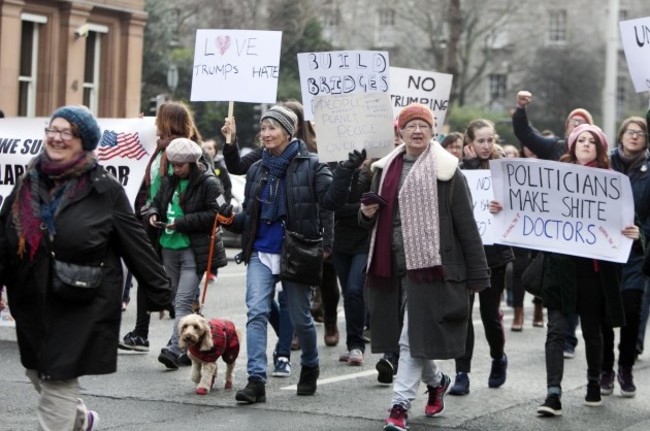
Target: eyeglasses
point(635, 133)
point(577, 121)
point(66, 135)
point(414, 127)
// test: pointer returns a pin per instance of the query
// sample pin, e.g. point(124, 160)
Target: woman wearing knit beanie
point(68, 214)
point(285, 192)
point(631, 158)
point(183, 212)
point(425, 228)
point(585, 286)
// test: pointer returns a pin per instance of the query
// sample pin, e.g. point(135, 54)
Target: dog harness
point(225, 343)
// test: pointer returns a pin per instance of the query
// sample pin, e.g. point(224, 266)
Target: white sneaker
point(356, 357)
point(282, 367)
point(92, 421)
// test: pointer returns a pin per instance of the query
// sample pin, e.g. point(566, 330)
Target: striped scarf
point(419, 213)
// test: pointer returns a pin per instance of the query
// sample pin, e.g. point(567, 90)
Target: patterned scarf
point(419, 213)
point(274, 196)
point(63, 182)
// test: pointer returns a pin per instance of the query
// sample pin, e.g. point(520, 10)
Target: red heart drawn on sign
point(223, 43)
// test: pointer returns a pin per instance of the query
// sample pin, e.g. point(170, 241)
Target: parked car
point(230, 239)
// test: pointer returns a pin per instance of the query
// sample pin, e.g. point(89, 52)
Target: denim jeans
point(260, 287)
point(281, 323)
point(351, 273)
point(180, 266)
point(411, 371)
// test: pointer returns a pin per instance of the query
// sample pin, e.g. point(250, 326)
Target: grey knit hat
point(183, 150)
point(285, 116)
point(85, 121)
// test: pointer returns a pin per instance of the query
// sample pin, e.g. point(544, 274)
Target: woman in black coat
point(183, 210)
point(69, 209)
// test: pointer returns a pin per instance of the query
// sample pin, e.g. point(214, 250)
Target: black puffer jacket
point(62, 339)
point(199, 210)
point(310, 187)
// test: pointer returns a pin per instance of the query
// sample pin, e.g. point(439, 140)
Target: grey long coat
point(438, 311)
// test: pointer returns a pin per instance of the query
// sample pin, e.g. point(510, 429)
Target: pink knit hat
point(580, 112)
point(594, 130)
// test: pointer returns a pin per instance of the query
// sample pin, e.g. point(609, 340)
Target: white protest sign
point(341, 72)
point(635, 35)
point(563, 208)
point(236, 65)
point(479, 182)
point(418, 86)
point(124, 150)
point(353, 122)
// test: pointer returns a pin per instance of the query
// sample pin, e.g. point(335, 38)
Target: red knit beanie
point(594, 130)
point(414, 111)
point(579, 112)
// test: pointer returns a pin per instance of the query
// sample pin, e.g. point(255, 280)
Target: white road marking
point(336, 379)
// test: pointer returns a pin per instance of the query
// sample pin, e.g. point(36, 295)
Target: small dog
point(205, 342)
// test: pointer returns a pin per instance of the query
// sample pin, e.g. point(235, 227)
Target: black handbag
point(78, 283)
point(532, 277)
point(301, 260)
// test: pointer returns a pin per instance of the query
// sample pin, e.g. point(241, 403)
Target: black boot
point(307, 382)
point(254, 392)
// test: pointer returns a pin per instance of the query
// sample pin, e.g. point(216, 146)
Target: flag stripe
point(120, 145)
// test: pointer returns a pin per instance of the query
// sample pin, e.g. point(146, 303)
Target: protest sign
point(635, 35)
point(341, 72)
point(563, 208)
point(418, 86)
point(353, 122)
point(480, 185)
point(236, 65)
point(124, 149)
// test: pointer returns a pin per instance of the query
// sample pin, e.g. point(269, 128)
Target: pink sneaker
point(436, 403)
point(398, 419)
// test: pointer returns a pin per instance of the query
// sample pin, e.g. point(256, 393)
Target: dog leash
point(213, 237)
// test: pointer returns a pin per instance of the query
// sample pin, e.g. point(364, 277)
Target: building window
point(497, 86)
point(92, 67)
point(557, 26)
point(387, 17)
point(27, 78)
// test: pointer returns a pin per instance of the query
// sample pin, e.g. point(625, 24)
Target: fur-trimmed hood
point(447, 163)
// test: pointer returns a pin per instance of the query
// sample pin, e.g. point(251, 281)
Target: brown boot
point(331, 334)
point(518, 320)
point(538, 316)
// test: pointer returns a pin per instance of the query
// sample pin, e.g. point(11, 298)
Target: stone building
point(58, 52)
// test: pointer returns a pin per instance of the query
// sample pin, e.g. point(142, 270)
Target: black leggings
point(632, 300)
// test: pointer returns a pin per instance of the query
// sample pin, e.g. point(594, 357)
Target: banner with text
point(480, 185)
point(236, 65)
point(353, 122)
point(341, 72)
point(563, 208)
point(418, 86)
point(635, 35)
point(124, 149)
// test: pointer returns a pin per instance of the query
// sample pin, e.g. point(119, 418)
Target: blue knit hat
point(85, 121)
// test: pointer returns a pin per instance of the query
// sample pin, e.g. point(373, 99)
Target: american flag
point(114, 144)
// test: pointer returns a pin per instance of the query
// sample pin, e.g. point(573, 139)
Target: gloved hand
point(225, 216)
point(355, 159)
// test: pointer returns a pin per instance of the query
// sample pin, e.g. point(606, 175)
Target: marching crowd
point(397, 234)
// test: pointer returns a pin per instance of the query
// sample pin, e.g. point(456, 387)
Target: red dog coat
point(225, 340)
